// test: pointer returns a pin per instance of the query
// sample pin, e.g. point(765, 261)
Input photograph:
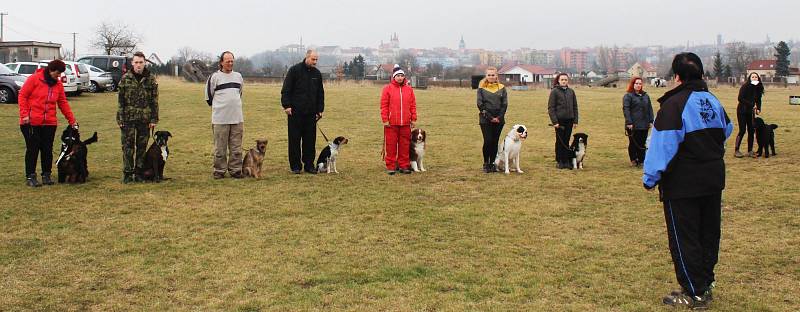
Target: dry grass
point(451, 239)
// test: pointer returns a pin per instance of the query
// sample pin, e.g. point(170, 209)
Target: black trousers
point(744, 118)
point(38, 140)
point(693, 226)
point(491, 136)
point(302, 132)
point(563, 135)
point(636, 145)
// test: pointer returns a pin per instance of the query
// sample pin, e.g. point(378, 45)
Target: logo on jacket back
point(707, 112)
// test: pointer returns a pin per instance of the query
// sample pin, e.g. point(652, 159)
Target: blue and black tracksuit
point(685, 160)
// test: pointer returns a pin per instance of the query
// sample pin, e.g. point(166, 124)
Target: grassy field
point(450, 239)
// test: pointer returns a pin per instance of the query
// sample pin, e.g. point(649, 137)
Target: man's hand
point(319, 115)
point(650, 125)
point(385, 123)
point(120, 125)
point(630, 127)
point(413, 124)
point(26, 120)
point(575, 126)
point(288, 111)
point(151, 126)
point(556, 126)
point(495, 120)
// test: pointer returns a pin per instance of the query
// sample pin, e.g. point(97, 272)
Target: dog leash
point(629, 134)
point(561, 140)
point(323, 134)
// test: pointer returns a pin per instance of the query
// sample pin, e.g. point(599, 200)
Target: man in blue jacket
point(685, 160)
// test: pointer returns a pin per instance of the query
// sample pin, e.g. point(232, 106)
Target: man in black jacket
point(303, 100)
point(685, 161)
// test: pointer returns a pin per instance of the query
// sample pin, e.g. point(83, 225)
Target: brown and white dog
point(509, 149)
point(417, 146)
point(254, 158)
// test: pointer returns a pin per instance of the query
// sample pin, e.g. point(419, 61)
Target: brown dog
point(254, 158)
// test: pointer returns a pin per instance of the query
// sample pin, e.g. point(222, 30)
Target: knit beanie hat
point(397, 71)
point(56, 65)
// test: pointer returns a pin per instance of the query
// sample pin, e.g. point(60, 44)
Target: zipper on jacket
point(44, 114)
point(401, 106)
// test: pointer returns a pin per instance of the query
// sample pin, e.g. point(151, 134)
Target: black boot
point(486, 168)
point(31, 181)
point(46, 180)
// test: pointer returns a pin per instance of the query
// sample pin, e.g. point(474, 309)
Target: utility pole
point(2, 14)
point(73, 46)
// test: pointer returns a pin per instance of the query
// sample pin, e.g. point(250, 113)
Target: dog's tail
point(91, 140)
point(773, 126)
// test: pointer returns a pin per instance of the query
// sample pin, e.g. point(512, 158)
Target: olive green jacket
point(138, 99)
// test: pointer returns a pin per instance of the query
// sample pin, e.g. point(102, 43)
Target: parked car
point(114, 64)
point(25, 68)
point(100, 79)
point(77, 77)
point(10, 83)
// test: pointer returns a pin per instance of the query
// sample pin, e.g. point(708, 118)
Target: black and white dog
point(417, 147)
point(156, 157)
point(765, 137)
point(510, 147)
point(327, 158)
point(578, 148)
point(72, 165)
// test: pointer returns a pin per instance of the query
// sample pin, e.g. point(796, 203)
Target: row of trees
point(738, 56)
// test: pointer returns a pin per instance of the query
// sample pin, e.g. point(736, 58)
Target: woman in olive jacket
point(563, 110)
point(492, 105)
point(638, 111)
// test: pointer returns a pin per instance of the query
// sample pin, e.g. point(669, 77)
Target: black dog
point(156, 158)
point(765, 137)
point(71, 163)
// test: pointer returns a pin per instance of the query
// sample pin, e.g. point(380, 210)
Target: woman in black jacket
point(492, 105)
point(638, 111)
point(749, 105)
point(563, 110)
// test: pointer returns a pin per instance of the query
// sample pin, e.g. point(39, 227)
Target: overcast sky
point(248, 27)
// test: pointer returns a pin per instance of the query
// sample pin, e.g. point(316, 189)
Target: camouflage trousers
point(134, 141)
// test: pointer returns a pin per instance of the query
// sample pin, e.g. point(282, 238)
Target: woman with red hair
point(638, 119)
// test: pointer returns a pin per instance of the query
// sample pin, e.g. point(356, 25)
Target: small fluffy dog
point(417, 149)
point(509, 149)
point(71, 163)
point(765, 137)
point(578, 148)
point(254, 159)
point(327, 158)
point(156, 157)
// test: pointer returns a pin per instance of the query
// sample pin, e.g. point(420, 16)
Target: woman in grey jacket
point(492, 105)
point(563, 110)
point(638, 113)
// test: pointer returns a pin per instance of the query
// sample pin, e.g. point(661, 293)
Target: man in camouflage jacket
point(137, 115)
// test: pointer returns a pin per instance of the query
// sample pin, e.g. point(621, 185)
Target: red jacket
point(38, 101)
point(398, 104)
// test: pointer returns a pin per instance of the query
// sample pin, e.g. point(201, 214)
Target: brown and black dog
point(72, 165)
point(254, 158)
point(156, 158)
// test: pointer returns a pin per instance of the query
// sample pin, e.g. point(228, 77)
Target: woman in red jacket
point(38, 99)
point(399, 113)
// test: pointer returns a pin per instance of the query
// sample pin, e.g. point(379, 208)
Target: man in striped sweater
point(224, 95)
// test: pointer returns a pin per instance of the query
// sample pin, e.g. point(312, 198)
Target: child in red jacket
point(399, 114)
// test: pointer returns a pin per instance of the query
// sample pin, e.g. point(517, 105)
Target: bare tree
point(115, 38)
point(188, 53)
point(739, 56)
